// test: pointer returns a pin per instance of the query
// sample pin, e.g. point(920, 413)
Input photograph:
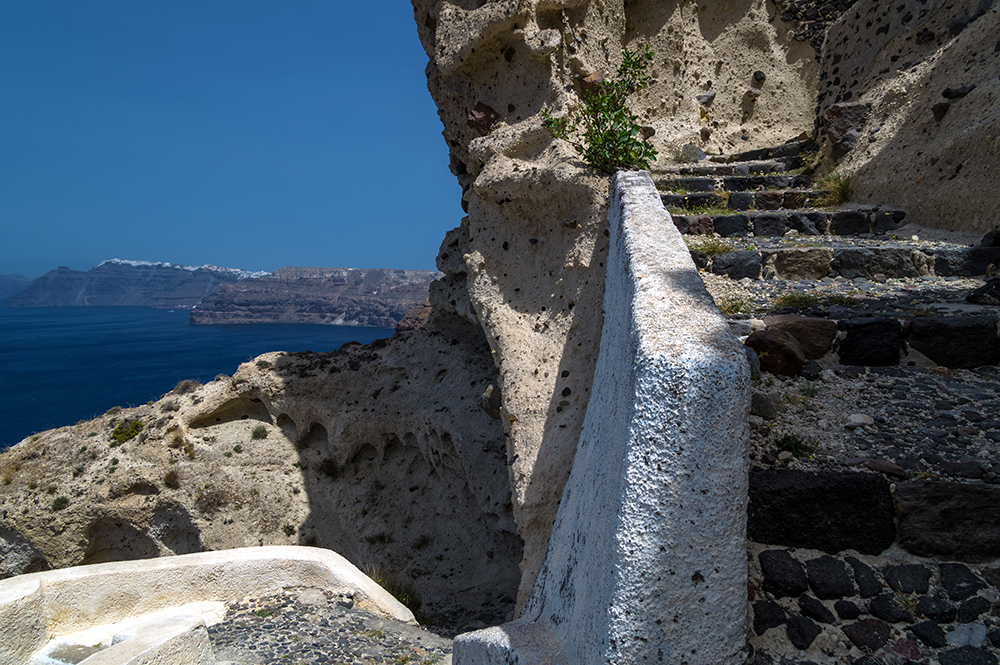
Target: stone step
point(721, 170)
point(779, 222)
point(763, 200)
point(869, 261)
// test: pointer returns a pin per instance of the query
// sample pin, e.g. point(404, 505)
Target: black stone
point(741, 201)
point(958, 342)
point(871, 342)
point(827, 510)
point(965, 261)
point(809, 223)
point(967, 655)
point(847, 610)
point(759, 76)
point(814, 609)
point(949, 519)
point(849, 223)
point(767, 614)
point(970, 610)
point(930, 633)
point(810, 370)
point(732, 225)
point(939, 110)
point(994, 637)
point(769, 225)
point(700, 259)
point(886, 606)
point(936, 609)
point(829, 578)
point(783, 575)
point(868, 634)
point(959, 581)
point(801, 631)
point(958, 93)
point(865, 578)
point(911, 578)
point(987, 294)
point(738, 264)
point(991, 239)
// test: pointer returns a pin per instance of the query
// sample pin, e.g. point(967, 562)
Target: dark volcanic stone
point(967, 656)
point(972, 609)
point(769, 225)
point(959, 581)
point(828, 511)
point(930, 634)
point(739, 264)
point(847, 610)
point(768, 201)
point(731, 225)
point(783, 575)
point(801, 631)
point(958, 342)
point(948, 519)
point(965, 261)
point(987, 294)
point(911, 578)
point(991, 239)
point(886, 607)
point(814, 609)
point(849, 223)
point(870, 634)
point(810, 223)
point(741, 200)
point(871, 342)
point(828, 578)
point(778, 351)
point(936, 609)
point(865, 578)
point(767, 614)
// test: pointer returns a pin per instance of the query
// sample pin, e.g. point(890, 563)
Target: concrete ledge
point(647, 558)
point(37, 607)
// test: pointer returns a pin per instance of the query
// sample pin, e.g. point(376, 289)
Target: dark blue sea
point(59, 365)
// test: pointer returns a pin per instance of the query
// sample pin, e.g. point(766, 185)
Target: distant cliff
point(344, 296)
point(117, 283)
point(11, 284)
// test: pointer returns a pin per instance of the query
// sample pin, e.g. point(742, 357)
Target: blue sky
point(241, 133)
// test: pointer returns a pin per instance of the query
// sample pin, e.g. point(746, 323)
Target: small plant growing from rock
point(172, 479)
point(259, 432)
point(124, 431)
point(839, 188)
point(610, 131)
point(795, 444)
point(186, 386)
point(60, 503)
point(263, 364)
point(289, 530)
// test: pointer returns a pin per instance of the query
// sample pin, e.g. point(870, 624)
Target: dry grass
point(839, 188)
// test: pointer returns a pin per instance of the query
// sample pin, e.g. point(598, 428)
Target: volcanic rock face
point(318, 295)
point(378, 452)
point(930, 141)
point(527, 263)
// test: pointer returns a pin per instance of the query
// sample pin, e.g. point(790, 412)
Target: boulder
point(949, 519)
point(795, 264)
point(849, 223)
point(737, 265)
point(844, 122)
point(958, 342)
point(731, 225)
point(815, 335)
point(965, 261)
point(872, 342)
point(774, 224)
point(827, 511)
point(987, 294)
point(867, 262)
point(778, 351)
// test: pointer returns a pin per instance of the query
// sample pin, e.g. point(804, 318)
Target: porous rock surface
point(527, 264)
point(920, 78)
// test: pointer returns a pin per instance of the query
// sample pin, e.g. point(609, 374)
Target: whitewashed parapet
point(647, 559)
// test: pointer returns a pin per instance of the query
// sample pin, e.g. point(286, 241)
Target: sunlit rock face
point(529, 259)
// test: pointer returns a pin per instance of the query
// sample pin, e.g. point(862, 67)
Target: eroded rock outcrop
point(911, 93)
point(528, 262)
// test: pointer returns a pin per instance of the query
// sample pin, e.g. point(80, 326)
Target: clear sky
point(241, 133)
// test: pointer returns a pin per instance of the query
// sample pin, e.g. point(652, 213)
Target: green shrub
point(237, 448)
point(288, 529)
point(610, 140)
point(125, 430)
point(259, 432)
point(263, 364)
point(60, 503)
point(400, 589)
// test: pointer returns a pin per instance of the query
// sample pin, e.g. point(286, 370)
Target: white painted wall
point(647, 559)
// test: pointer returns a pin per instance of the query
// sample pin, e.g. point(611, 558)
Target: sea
point(60, 365)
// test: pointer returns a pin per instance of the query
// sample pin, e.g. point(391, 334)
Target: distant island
point(217, 295)
point(11, 284)
point(343, 296)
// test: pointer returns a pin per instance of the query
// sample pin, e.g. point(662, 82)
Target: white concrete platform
point(159, 608)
